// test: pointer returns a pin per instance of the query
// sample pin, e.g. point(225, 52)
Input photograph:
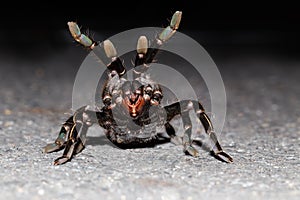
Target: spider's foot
point(61, 160)
point(49, 148)
point(190, 150)
point(223, 155)
point(176, 140)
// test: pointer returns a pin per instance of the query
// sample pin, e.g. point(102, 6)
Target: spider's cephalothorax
point(132, 110)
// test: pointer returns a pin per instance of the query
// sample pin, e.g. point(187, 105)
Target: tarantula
point(132, 110)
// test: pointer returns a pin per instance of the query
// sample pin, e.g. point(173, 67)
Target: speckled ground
point(261, 133)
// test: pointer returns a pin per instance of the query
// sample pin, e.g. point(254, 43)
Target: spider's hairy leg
point(113, 63)
point(187, 141)
point(169, 31)
point(79, 37)
point(71, 143)
point(140, 65)
point(181, 108)
point(60, 141)
point(145, 55)
point(206, 122)
point(73, 138)
point(106, 52)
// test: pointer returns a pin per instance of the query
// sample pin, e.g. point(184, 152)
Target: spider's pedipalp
point(109, 49)
point(140, 64)
point(107, 53)
point(142, 45)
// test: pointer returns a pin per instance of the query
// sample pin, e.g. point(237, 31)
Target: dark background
point(129, 14)
point(30, 29)
point(255, 46)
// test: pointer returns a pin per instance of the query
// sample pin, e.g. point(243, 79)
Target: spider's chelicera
point(132, 110)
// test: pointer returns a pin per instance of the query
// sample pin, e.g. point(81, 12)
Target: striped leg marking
point(182, 108)
point(145, 54)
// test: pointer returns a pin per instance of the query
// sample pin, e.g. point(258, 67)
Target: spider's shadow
point(102, 140)
point(206, 147)
point(99, 140)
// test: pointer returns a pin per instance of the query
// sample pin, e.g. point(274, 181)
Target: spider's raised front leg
point(72, 136)
point(182, 108)
point(105, 51)
point(145, 55)
point(80, 37)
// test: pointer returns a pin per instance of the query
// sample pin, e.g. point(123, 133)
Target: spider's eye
point(113, 73)
point(119, 100)
point(127, 93)
point(148, 89)
point(138, 92)
point(115, 92)
point(157, 96)
point(107, 99)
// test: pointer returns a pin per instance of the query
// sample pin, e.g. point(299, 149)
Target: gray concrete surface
point(261, 133)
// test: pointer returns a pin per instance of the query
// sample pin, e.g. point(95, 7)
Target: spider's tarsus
point(74, 29)
point(169, 31)
point(61, 160)
point(175, 21)
point(51, 148)
point(223, 154)
point(190, 150)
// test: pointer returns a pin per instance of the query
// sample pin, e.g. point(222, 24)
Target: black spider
point(132, 110)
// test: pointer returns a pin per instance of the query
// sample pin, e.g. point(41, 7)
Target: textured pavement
point(261, 133)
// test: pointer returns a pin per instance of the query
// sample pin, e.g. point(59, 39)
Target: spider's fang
point(109, 49)
point(142, 45)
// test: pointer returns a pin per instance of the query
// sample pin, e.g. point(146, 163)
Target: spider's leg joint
point(166, 34)
point(79, 37)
